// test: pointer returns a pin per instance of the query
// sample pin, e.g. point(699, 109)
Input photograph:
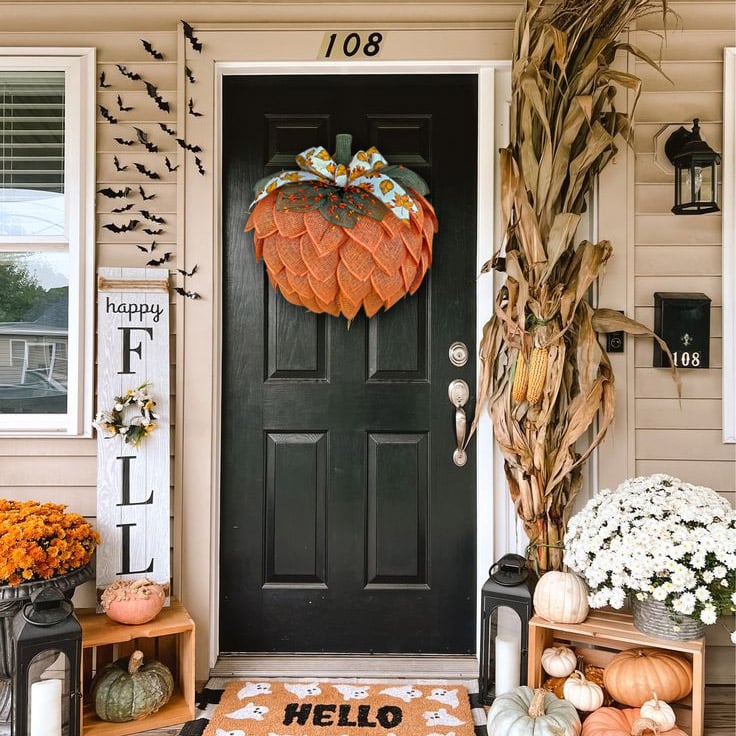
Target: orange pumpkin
point(633, 675)
point(622, 722)
point(133, 601)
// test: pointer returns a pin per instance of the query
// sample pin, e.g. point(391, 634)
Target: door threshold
point(403, 666)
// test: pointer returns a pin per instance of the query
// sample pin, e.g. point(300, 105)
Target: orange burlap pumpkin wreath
point(337, 237)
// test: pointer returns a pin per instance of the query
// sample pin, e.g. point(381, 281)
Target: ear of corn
point(537, 374)
point(521, 379)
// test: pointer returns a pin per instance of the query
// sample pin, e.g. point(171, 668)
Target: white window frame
point(78, 64)
point(728, 172)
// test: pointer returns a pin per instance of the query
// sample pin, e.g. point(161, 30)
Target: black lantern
point(696, 176)
point(506, 608)
point(47, 667)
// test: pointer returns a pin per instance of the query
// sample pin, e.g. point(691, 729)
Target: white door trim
point(198, 454)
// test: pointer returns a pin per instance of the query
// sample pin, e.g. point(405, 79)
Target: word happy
point(330, 714)
point(133, 309)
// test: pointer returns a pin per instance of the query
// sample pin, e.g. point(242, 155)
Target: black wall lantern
point(47, 641)
point(696, 175)
point(503, 655)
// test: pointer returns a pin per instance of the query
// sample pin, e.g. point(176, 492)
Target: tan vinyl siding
point(673, 253)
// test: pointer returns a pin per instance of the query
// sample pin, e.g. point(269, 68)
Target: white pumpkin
point(561, 597)
point(559, 661)
point(583, 694)
point(659, 712)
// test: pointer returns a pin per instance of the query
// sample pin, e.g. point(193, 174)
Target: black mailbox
point(682, 320)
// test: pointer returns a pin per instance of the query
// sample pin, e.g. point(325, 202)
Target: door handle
point(459, 393)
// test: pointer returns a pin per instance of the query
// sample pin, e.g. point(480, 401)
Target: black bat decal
point(169, 165)
point(189, 35)
point(147, 250)
point(118, 166)
point(192, 111)
point(114, 193)
point(147, 46)
point(107, 116)
point(128, 227)
point(124, 141)
point(188, 273)
point(188, 146)
point(130, 75)
point(103, 83)
point(124, 208)
point(189, 74)
point(166, 129)
point(156, 97)
point(165, 258)
point(153, 218)
point(146, 172)
point(144, 195)
point(143, 138)
point(187, 294)
point(122, 107)
point(148, 231)
point(198, 162)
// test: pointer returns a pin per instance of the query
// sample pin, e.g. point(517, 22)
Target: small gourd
point(561, 597)
point(659, 712)
point(558, 661)
point(527, 712)
point(622, 722)
point(583, 694)
point(127, 689)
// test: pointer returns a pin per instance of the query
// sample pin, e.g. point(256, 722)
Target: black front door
point(345, 526)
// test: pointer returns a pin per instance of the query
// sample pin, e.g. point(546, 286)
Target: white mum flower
point(708, 615)
point(685, 604)
point(617, 598)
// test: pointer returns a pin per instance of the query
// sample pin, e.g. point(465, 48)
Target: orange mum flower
point(40, 541)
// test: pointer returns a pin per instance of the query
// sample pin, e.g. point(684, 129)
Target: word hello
point(134, 309)
point(330, 714)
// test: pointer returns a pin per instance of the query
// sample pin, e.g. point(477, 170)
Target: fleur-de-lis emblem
point(686, 339)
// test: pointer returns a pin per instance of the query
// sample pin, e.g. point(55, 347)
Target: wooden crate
point(605, 633)
point(169, 638)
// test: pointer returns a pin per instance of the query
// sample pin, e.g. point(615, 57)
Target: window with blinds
point(46, 239)
point(32, 122)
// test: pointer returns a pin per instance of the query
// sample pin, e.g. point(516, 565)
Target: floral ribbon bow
point(363, 172)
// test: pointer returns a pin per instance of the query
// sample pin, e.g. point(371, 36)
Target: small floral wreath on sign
point(140, 426)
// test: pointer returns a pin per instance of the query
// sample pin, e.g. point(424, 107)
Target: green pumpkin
point(127, 690)
point(528, 712)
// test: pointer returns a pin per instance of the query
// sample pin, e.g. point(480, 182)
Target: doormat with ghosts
point(273, 708)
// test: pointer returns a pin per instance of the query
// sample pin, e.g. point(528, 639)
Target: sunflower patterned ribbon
point(362, 173)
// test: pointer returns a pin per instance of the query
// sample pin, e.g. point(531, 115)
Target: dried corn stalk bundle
point(544, 375)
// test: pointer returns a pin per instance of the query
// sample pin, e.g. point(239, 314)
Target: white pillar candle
point(507, 662)
point(46, 708)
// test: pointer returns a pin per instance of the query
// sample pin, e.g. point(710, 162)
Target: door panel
point(345, 526)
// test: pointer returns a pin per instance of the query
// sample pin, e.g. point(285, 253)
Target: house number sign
point(133, 477)
point(351, 45)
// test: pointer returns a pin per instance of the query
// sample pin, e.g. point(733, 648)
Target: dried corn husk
point(565, 129)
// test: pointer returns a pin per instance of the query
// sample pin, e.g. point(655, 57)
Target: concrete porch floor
point(720, 713)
